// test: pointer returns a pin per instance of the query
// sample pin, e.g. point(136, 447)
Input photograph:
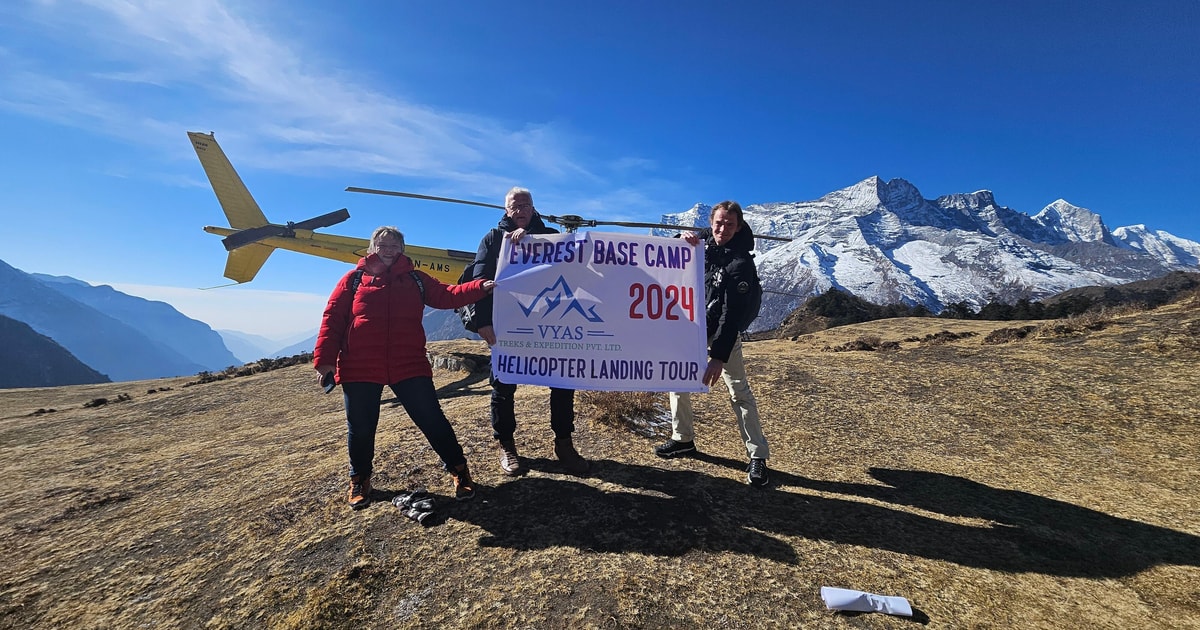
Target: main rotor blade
point(795, 295)
point(325, 220)
point(396, 193)
point(637, 224)
point(574, 221)
point(571, 222)
point(677, 227)
point(681, 228)
point(773, 238)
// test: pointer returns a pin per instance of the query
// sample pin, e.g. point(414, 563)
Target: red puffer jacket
point(375, 334)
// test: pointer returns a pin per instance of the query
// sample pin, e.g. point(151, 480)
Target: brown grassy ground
point(1047, 482)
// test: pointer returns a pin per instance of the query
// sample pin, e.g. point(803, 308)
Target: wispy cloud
point(295, 111)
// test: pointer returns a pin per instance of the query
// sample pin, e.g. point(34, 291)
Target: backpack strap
point(420, 284)
point(356, 280)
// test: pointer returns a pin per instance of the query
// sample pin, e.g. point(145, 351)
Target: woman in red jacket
point(371, 335)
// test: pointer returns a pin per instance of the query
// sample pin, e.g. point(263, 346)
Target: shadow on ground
point(670, 512)
point(461, 387)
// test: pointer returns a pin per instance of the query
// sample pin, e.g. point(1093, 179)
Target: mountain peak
point(1074, 223)
point(696, 216)
point(865, 196)
point(874, 191)
point(974, 201)
point(901, 192)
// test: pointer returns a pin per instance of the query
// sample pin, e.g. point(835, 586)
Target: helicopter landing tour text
point(602, 369)
point(600, 311)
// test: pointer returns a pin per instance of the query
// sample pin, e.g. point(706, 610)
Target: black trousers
point(504, 419)
point(419, 399)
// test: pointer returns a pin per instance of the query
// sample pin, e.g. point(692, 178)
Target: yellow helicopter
point(250, 237)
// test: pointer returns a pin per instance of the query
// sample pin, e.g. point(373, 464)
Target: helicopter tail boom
point(240, 208)
point(250, 237)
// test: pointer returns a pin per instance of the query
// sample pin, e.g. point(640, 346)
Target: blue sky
point(610, 110)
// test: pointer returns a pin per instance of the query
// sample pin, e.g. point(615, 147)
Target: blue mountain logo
point(558, 295)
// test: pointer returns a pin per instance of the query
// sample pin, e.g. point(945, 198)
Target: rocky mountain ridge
point(886, 243)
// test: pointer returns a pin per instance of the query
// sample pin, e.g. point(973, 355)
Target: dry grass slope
point(1039, 480)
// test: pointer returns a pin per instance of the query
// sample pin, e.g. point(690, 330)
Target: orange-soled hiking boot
point(360, 491)
point(464, 487)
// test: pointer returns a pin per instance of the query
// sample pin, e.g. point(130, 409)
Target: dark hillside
point(840, 308)
point(1148, 293)
point(28, 359)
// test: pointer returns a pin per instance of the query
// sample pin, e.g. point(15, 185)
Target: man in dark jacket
point(520, 218)
point(729, 278)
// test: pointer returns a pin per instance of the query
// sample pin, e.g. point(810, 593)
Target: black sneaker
point(756, 472)
point(672, 448)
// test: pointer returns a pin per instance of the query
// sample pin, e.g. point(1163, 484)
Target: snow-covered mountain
point(1159, 244)
point(886, 243)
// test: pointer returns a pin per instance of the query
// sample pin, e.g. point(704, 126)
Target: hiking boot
point(675, 448)
point(756, 472)
point(464, 488)
point(510, 462)
point(564, 450)
point(360, 491)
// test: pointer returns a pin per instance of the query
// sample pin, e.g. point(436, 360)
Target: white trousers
point(740, 398)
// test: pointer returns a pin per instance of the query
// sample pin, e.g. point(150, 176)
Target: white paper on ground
point(858, 601)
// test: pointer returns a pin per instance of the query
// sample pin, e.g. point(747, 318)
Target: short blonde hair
point(382, 231)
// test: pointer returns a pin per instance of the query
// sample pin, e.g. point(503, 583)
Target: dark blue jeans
point(419, 399)
point(504, 418)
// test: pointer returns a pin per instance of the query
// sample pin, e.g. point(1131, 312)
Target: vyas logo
point(558, 299)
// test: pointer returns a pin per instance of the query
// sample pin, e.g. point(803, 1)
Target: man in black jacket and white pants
point(728, 276)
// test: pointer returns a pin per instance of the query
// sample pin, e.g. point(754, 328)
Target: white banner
point(600, 311)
